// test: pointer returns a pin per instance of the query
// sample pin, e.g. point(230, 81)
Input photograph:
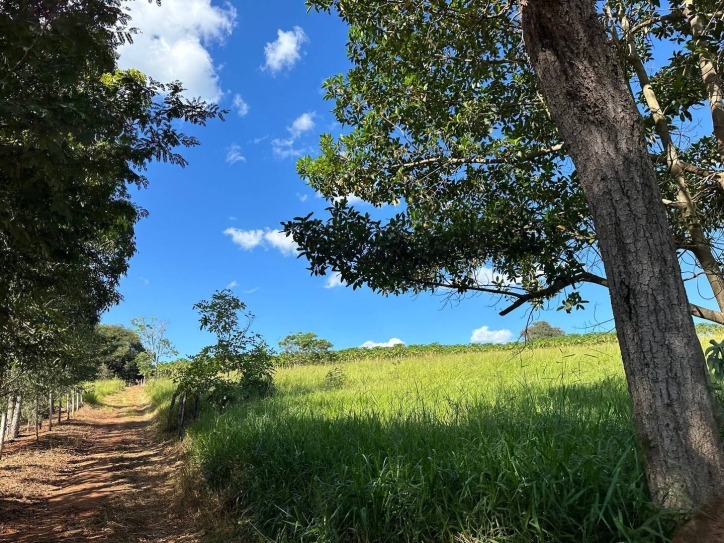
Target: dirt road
point(102, 476)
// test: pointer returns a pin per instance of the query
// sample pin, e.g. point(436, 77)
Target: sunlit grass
point(492, 447)
point(94, 392)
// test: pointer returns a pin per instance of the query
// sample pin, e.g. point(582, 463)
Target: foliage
point(487, 446)
point(152, 334)
point(539, 330)
point(304, 348)
point(446, 118)
point(119, 349)
point(715, 358)
point(75, 134)
point(144, 364)
point(335, 378)
point(239, 366)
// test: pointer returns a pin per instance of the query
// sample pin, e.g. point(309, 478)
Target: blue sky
point(213, 224)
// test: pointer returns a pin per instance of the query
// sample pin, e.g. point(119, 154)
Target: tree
point(118, 350)
point(541, 147)
point(152, 335)
point(305, 348)
point(237, 367)
point(75, 134)
point(540, 330)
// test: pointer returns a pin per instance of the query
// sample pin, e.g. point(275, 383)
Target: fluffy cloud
point(246, 239)
point(233, 155)
point(486, 335)
point(240, 106)
point(303, 123)
point(279, 240)
point(284, 147)
point(391, 343)
point(285, 51)
point(249, 239)
point(486, 276)
point(302, 197)
point(232, 285)
point(334, 280)
point(351, 198)
point(174, 40)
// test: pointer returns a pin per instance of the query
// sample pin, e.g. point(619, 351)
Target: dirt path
point(103, 476)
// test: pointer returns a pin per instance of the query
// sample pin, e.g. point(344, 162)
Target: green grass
point(490, 447)
point(97, 390)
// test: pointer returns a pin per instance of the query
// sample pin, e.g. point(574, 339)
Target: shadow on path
point(102, 476)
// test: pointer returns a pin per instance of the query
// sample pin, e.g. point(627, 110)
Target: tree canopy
point(446, 120)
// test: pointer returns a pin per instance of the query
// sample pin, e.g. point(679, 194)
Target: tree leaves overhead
point(75, 134)
point(443, 118)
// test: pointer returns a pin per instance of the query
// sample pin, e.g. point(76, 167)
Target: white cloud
point(232, 285)
point(351, 198)
point(233, 155)
point(240, 106)
point(334, 280)
point(302, 197)
point(285, 51)
point(486, 276)
point(303, 123)
point(251, 290)
point(259, 140)
point(232, 218)
point(391, 343)
point(486, 335)
point(246, 239)
point(279, 240)
point(174, 40)
point(249, 239)
point(145, 281)
point(284, 148)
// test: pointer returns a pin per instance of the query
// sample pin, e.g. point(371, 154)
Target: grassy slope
point(535, 446)
point(97, 390)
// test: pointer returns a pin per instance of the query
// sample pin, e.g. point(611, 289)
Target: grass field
point(492, 447)
point(97, 390)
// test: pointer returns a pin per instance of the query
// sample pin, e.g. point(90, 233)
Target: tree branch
point(484, 161)
point(553, 288)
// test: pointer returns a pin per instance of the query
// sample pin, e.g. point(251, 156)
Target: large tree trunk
point(597, 118)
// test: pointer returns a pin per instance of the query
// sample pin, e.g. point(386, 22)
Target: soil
point(105, 475)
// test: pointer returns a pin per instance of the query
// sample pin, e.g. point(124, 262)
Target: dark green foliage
point(118, 350)
point(304, 348)
point(444, 116)
point(540, 330)
point(75, 134)
point(715, 359)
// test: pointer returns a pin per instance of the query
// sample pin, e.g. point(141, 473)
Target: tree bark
point(170, 410)
point(3, 427)
point(589, 101)
point(67, 406)
point(36, 420)
point(60, 407)
point(15, 422)
point(50, 412)
point(181, 408)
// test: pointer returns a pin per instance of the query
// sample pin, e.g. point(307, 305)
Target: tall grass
point(97, 390)
point(488, 447)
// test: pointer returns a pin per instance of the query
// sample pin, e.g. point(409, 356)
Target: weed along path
point(102, 476)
